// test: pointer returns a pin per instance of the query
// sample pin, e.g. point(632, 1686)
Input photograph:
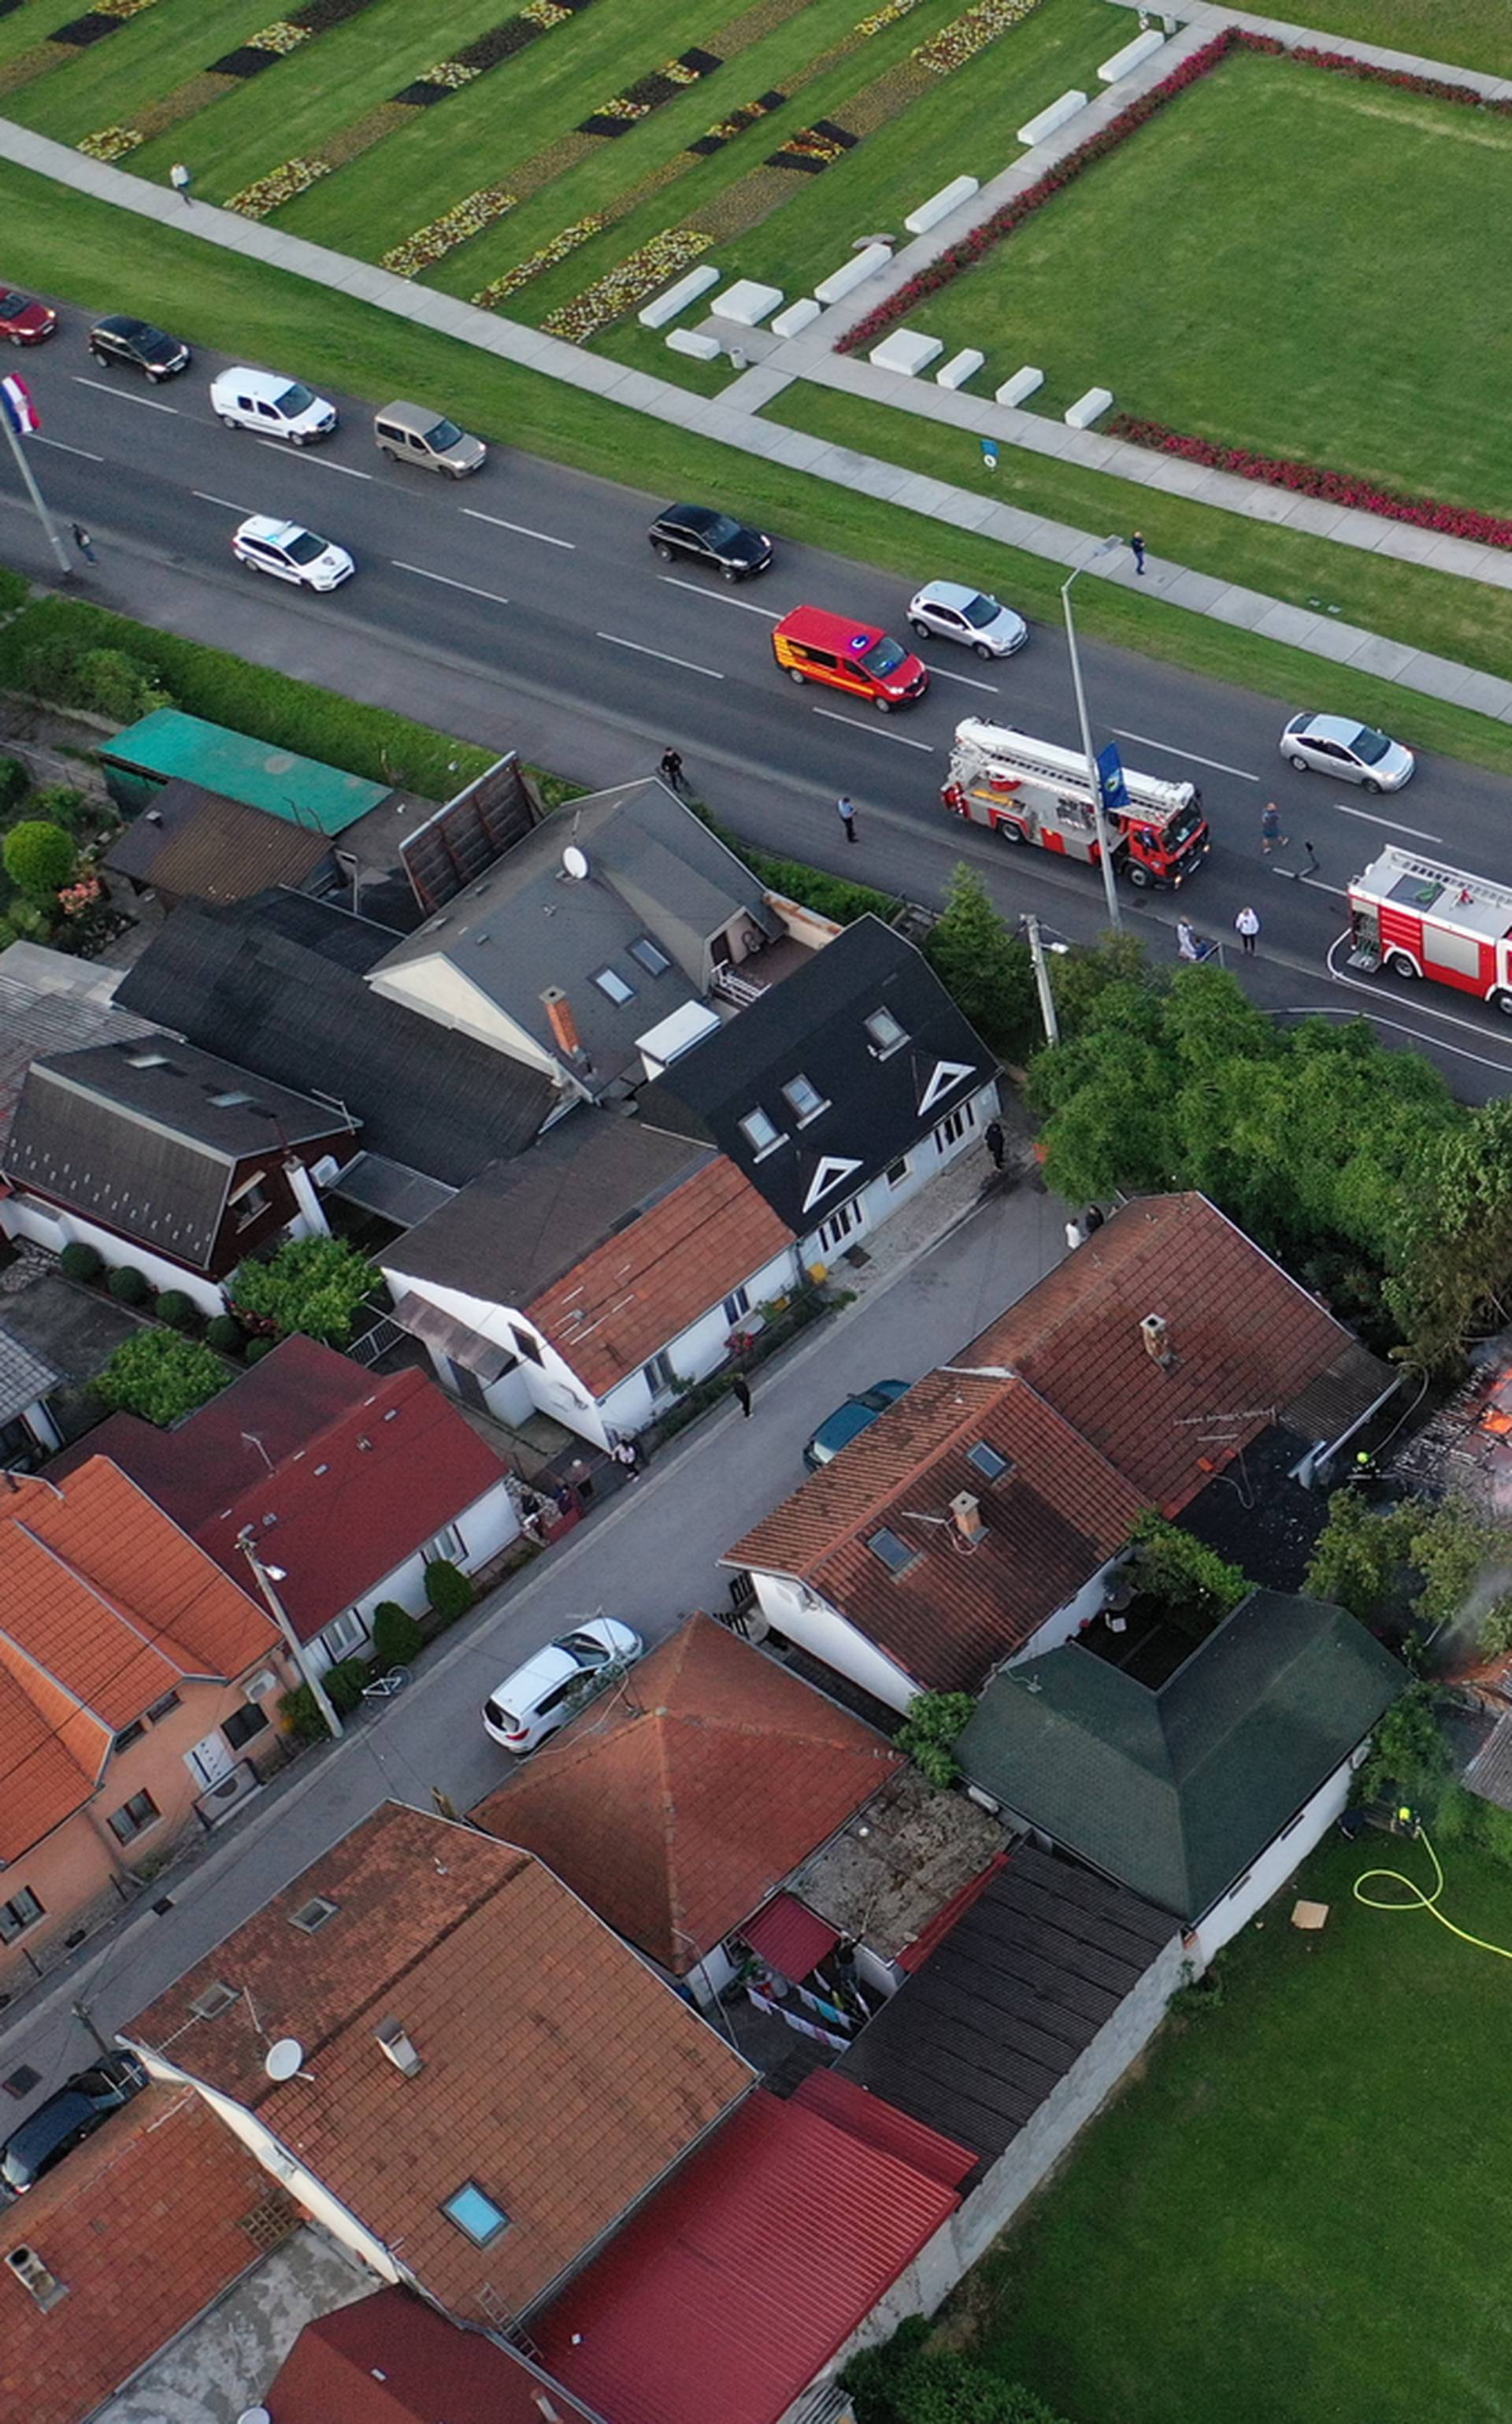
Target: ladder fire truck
point(1417, 919)
point(1028, 791)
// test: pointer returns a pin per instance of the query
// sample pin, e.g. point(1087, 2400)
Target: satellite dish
point(575, 862)
point(254, 2415)
point(284, 2059)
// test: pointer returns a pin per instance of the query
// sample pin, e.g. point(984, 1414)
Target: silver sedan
point(943, 610)
point(1350, 752)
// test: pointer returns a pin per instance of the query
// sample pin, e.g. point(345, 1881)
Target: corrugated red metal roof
point(793, 1939)
point(736, 2285)
point(393, 2359)
point(877, 2123)
point(929, 1938)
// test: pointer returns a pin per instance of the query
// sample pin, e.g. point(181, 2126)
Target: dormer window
point(761, 1132)
point(804, 1098)
point(885, 1034)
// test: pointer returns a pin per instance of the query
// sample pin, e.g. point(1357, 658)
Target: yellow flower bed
point(453, 226)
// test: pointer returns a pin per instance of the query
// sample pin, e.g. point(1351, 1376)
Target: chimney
point(396, 2044)
point(1155, 1332)
point(966, 1513)
point(563, 1025)
point(34, 2276)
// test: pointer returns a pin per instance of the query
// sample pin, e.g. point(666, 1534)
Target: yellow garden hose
point(1414, 1898)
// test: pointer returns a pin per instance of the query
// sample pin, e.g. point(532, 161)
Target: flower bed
point(455, 226)
point(270, 193)
point(536, 263)
point(1366, 72)
point(1315, 480)
point(961, 42)
point(638, 274)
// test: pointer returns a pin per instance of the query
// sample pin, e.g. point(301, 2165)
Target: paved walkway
point(736, 424)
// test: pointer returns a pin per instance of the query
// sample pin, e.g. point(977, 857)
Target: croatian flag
point(15, 396)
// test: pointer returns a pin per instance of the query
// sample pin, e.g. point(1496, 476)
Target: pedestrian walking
point(1270, 832)
point(1073, 1234)
point(179, 179)
point(672, 768)
point(740, 1392)
point(84, 542)
point(993, 1139)
point(1092, 1218)
point(1247, 926)
point(1187, 939)
point(846, 808)
point(627, 1456)
point(1137, 543)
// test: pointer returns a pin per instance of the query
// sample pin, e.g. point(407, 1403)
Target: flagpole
point(55, 540)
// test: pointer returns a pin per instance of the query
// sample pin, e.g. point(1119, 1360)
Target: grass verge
point(1463, 33)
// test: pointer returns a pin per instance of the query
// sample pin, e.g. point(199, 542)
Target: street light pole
point(1099, 819)
point(266, 1576)
point(1041, 979)
point(54, 536)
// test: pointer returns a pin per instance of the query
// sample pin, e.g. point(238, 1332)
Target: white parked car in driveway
point(274, 407)
point(550, 1687)
point(1350, 752)
point(943, 610)
point(291, 552)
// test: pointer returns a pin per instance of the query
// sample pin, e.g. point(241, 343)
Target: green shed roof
point(1177, 1792)
point(298, 789)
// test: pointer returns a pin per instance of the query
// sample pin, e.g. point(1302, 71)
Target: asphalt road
point(524, 607)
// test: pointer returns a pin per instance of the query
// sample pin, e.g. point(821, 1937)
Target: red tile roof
point(649, 1284)
point(558, 2072)
point(104, 1606)
point(748, 2272)
point(678, 1809)
point(145, 2224)
point(353, 1474)
point(391, 2359)
point(1063, 1385)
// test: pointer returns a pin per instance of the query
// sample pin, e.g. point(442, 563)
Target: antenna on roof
point(251, 1439)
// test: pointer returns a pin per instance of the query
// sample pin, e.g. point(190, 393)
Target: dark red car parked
point(22, 321)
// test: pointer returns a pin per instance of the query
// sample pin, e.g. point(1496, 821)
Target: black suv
point(136, 345)
point(75, 2114)
point(713, 538)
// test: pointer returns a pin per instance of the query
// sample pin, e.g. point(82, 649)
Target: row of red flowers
point(973, 247)
point(1316, 480)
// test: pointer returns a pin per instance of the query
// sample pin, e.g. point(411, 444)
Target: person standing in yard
point(1270, 832)
point(846, 810)
point(1137, 543)
point(179, 179)
point(993, 1139)
point(1247, 926)
point(740, 1392)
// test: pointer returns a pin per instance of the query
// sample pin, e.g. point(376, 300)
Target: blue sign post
point(1110, 777)
point(989, 453)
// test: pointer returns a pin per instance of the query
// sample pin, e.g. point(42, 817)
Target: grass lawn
point(99, 260)
point(106, 82)
point(1284, 260)
point(1297, 2216)
point(1464, 33)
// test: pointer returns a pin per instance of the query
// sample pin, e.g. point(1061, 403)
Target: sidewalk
point(731, 424)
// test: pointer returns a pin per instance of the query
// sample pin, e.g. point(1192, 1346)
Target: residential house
point(976, 1520)
point(1204, 1793)
point(391, 2359)
point(447, 2061)
point(195, 845)
point(168, 745)
point(51, 1002)
point(349, 1484)
point(591, 1279)
point(840, 1093)
point(167, 1158)
point(158, 2274)
point(723, 1807)
point(136, 1682)
point(27, 1430)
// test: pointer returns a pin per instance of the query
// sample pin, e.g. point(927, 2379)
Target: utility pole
point(86, 2020)
point(1041, 979)
point(1093, 776)
point(55, 540)
point(266, 1576)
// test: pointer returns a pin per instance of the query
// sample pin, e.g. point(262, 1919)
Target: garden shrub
point(112, 683)
point(448, 1591)
point(258, 1347)
point(161, 1376)
point(129, 1285)
point(224, 1333)
point(933, 1723)
point(396, 1637)
point(179, 1311)
point(302, 1716)
point(38, 858)
point(80, 1262)
point(311, 1285)
point(14, 589)
point(14, 784)
point(60, 804)
point(907, 2381)
point(344, 1683)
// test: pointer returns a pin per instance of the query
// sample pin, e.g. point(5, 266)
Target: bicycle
point(382, 1688)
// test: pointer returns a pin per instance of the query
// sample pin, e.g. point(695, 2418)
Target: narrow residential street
point(650, 1556)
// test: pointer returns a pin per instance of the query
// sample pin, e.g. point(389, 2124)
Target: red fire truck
point(1422, 920)
point(1030, 792)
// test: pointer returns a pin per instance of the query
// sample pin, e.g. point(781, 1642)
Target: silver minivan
point(412, 432)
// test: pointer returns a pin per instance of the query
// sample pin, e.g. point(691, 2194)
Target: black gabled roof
point(813, 1024)
point(277, 982)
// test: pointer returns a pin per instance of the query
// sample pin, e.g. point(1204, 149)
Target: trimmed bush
point(344, 1684)
point(129, 1286)
point(396, 1637)
point(80, 1262)
point(115, 684)
point(258, 1347)
point(161, 1376)
point(60, 804)
point(14, 589)
point(14, 784)
point(448, 1591)
point(313, 1285)
point(178, 1310)
point(40, 858)
point(224, 1333)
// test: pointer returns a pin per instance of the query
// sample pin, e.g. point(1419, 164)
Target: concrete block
point(688, 340)
point(1051, 119)
point(1132, 55)
point(906, 352)
point(1021, 386)
point(1087, 407)
point(747, 302)
point(940, 205)
point(854, 272)
point(677, 298)
point(796, 318)
point(959, 367)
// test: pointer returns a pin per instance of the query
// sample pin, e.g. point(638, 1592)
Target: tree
point(935, 1722)
point(396, 1637)
point(161, 1376)
point(1415, 1563)
point(311, 1285)
point(1457, 1256)
point(984, 967)
point(38, 858)
point(907, 2380)
point(1197, 1586)
point(448, 1592)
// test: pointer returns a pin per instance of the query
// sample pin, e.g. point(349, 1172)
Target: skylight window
point(610, 982)
point(885, 1031)
point(895, 1554)
point(805, 1097)
point(652, 958)
point(313, 1914)
point(988, 1462)
point(475, 2214)
point(761, 1132)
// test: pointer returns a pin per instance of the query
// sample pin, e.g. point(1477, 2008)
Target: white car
point(943, 610)
point(274, 407)
point(1350, 752)
point(550, 1687)
point(291, 552)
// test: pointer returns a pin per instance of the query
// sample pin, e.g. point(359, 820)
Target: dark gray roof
point(195, 844)
point(49, 1003)
point(147, 1136)
point(278, 981)
point(653, 869)
point(23, 1375)
point(1178, 1791)
point(520, 1225)
point(976, 2039)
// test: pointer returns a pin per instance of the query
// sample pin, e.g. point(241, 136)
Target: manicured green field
point(1283, 259)
point(1462, 33)
point(1300, 2214)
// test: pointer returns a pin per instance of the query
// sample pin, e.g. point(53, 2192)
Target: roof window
point(148, 1060)
point(895, 1554)
point(885, 1034)
point(312, 1915)
point(804, 1098)
point(761, 1132)
point(652, 958)
point(217, 1997)
point(475, 2213)
point(988, 1462)
point(610, 982)
point(229, 1101)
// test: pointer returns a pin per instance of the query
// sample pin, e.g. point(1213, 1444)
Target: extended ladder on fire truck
point(1032, 791)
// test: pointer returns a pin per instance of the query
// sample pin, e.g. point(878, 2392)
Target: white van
point(274, 407)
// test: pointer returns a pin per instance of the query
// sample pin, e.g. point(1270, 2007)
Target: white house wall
point(1069, 1620)
point(554, 1389)
point(21, 1217)
point(822, 1631)
point(880, 1199)
point(485, 1527)
point(1280, 1861)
